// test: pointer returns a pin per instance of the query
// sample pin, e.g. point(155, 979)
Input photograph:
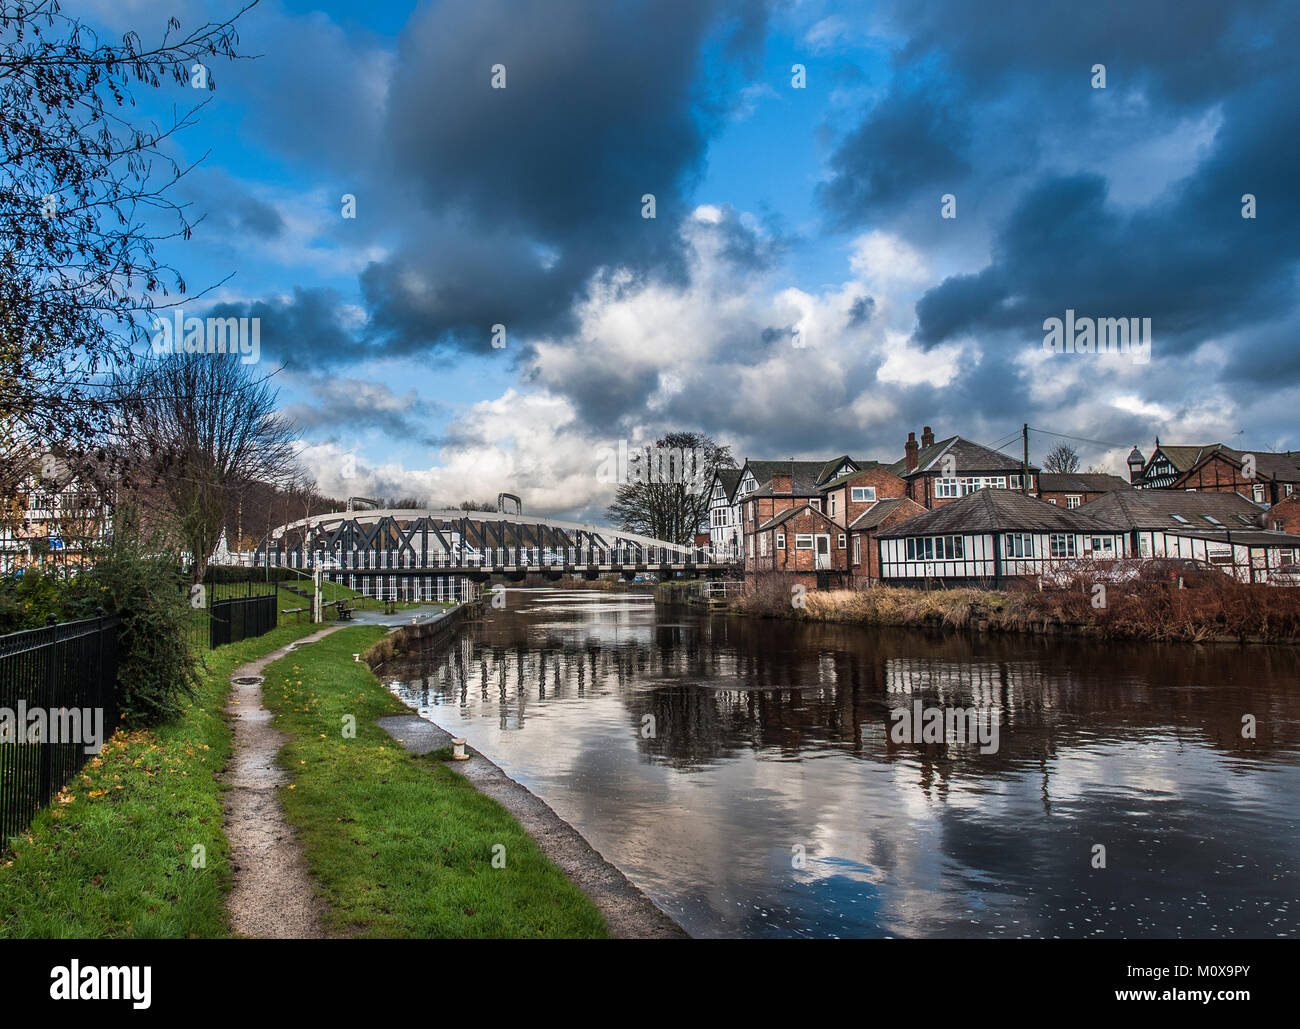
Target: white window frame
point(862, 494)
point(803, 541)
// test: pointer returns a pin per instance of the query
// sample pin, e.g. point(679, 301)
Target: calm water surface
point(772, 739)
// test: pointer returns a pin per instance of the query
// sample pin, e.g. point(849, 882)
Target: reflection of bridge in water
point(433, 555)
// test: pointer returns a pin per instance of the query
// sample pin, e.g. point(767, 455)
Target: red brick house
point(801, 542)
point(1074, 489)
point(1285, 515)
point(768, 488)
point(1215, 468)
point(864, 554)
point(1273, 478)
point(938, 473)
point(849, 496)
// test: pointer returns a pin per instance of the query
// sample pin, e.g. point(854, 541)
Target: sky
point(864, 216)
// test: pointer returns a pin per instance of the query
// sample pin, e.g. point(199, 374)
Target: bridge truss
point(424, 554)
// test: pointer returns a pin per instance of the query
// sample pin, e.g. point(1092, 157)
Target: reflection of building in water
point(1005, 685)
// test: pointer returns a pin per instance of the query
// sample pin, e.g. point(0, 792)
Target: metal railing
point(58, 703)
point(227, 612)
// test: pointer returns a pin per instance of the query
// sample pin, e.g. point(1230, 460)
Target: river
point(745, 773)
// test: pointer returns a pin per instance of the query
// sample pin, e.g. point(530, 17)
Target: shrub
point(158, 669)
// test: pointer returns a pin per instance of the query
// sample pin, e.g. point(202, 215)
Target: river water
point(744, 773)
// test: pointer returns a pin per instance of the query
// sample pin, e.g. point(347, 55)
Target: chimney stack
point(927, 437)
point(911, 451)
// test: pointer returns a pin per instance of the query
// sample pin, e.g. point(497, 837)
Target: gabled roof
point(863, 466)
point(1183, 458)
point(969, 457)
point(807, 476)
point(878, 512)
point(785, 516)
point(993, 511)
point(729, 479)
point(833, 466)
point(1281, 467)
point(1157, 508)
point(1081, 482)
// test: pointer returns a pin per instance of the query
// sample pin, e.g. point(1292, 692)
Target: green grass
point(112, 856)
point(402, 847)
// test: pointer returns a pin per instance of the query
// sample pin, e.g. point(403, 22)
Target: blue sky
point(799, 292)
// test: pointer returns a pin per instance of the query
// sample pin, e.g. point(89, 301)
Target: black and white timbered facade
point(990, 536)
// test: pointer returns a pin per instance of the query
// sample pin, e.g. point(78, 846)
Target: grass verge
point(403, 847)
point(112, 856)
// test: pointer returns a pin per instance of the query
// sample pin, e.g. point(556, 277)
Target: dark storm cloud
point(988, 91)
point(308, 331)
point(1178, 51)
point(913, 139)
point(1189, 260)
point(533, 187)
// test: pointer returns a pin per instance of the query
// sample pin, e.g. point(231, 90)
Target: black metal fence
point(227, 612)
point(58, 704)
point(241, 618)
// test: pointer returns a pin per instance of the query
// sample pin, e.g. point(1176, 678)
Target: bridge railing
point(465, 556)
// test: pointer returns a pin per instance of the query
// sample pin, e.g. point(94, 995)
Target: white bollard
point(458, 750)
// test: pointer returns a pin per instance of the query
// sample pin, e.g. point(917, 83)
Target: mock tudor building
point(1222, 529)
point(724, 515)
point(54, 519)
point(989, 537)
point(938, 473)
point(1074, 489)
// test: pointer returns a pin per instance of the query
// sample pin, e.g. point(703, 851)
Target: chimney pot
point(911, 451)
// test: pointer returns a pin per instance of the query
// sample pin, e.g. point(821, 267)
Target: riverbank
point(134, 845)
point(1228, 612)
point(401, 846)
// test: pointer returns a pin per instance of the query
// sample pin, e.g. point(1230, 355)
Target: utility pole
point(1024, 466)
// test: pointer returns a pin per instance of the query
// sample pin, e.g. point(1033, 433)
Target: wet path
point(272, 896)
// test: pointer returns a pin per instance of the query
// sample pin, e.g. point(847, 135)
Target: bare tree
point(1061, 458)
point(81, 192)
point(205, 429)
point(666, 494)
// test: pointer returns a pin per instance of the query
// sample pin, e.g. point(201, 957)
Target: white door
point(823, 552)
